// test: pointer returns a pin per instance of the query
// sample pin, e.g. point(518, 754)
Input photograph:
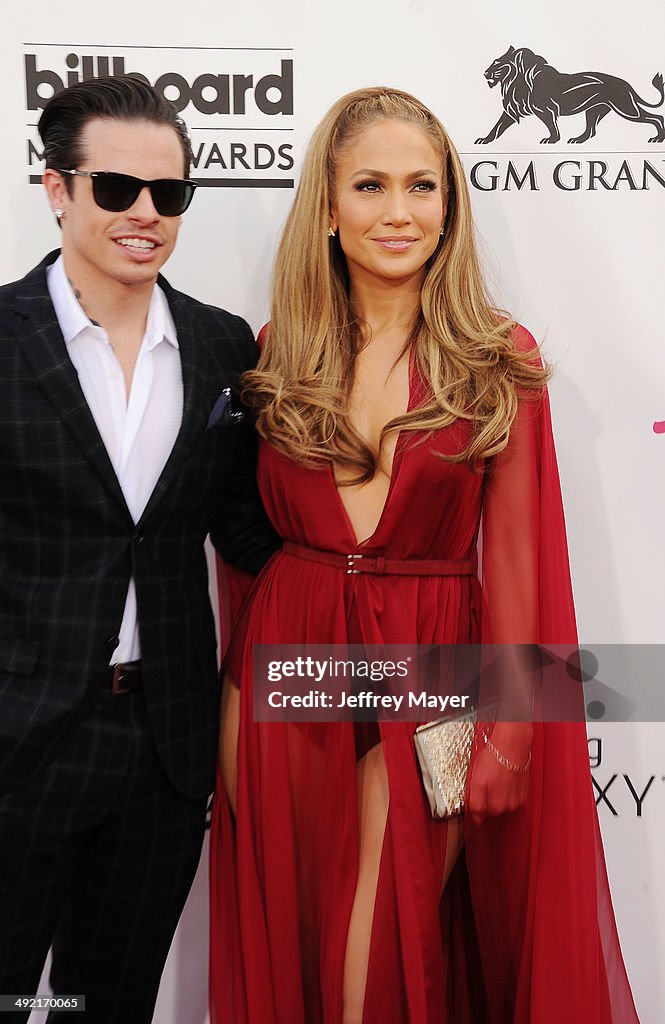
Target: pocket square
point(223, 414)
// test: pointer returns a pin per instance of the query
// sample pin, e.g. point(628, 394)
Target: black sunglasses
point(117, 192)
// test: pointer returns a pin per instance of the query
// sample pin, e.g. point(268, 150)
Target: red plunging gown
point(525, 930)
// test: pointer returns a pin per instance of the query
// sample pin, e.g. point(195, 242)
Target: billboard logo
point(208, 93)
point(238, 103)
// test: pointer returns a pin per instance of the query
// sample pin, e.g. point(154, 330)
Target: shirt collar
point(73, 321)
point(159, 325)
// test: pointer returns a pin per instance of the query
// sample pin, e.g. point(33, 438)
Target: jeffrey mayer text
point(394, 701)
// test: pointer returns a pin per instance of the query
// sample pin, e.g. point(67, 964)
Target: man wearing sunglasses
point(120, 450)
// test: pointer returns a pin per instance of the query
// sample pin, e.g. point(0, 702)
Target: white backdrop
point(581, 268)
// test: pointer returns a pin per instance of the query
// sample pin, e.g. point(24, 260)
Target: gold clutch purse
point(444, 752)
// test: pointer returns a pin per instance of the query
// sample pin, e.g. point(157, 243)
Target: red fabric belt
point(356, 563)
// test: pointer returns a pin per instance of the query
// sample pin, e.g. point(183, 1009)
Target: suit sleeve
point(241, 531)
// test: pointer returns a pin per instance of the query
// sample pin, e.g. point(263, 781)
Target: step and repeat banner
point(559, 116)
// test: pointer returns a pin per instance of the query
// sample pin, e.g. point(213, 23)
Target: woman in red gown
point(400, 416)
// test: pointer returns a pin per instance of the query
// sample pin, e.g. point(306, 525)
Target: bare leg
point(372, 815)
point(373, 799)
point(228, 739)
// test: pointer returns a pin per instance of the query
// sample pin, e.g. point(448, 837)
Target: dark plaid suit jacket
point(68, 545)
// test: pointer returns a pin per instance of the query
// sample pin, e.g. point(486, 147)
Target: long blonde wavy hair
point(462, 344)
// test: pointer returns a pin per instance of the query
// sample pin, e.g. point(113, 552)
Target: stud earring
point(331, 233)
point(441, 233)
point(59, 213)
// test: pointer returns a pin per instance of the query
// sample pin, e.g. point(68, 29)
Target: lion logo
point(529, 85)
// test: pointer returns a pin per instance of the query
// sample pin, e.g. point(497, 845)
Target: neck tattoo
point(79, 299)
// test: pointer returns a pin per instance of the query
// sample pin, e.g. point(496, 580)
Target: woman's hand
point(495, 789)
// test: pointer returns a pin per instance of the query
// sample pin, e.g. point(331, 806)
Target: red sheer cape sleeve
point(546, 928)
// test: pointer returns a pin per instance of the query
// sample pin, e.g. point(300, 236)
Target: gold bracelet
point(505, 762)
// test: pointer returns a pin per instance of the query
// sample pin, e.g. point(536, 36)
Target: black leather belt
point(124, 678)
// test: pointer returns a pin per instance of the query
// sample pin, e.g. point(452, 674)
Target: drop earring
point(331, 233)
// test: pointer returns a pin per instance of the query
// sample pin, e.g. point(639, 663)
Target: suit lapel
point(40, 338)
point(194, 393)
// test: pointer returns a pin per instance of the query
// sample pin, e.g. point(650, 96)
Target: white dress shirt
point(138, 432)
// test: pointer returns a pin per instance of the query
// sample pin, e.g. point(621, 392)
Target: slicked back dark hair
point(121, 98)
